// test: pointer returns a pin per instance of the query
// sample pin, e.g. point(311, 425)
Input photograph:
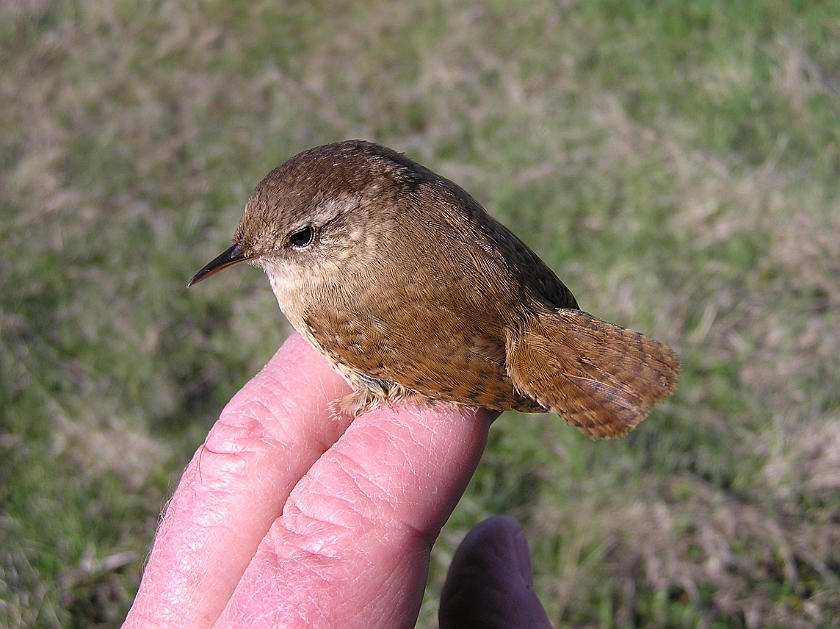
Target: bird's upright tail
point(601, 378)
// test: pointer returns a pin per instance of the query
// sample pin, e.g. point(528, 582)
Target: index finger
point(266, 439)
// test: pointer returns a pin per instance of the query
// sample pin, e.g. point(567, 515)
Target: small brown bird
point(404, 283)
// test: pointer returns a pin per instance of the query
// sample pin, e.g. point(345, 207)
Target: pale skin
point(290, 517)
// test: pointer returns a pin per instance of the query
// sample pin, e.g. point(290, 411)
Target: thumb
point(490, 582)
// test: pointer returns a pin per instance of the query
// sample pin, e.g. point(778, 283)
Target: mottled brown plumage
point(403, 282)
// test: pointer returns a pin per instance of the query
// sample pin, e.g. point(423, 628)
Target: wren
point(405, 284)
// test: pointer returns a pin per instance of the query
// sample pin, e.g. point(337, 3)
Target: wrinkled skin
point(290, 517)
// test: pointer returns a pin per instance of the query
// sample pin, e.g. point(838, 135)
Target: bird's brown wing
point(436, 321)
point(433, 344)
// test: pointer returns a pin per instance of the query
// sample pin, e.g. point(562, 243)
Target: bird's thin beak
point(232, 255)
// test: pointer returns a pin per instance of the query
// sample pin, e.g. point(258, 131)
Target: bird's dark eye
point(302, 237)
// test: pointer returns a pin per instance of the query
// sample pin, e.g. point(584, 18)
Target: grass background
point(676, 163)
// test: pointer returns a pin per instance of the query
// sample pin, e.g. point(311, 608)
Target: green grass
point(676, 163)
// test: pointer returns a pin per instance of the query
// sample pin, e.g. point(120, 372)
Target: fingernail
point(523, 557)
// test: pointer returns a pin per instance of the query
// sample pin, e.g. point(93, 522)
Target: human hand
point(290, 517)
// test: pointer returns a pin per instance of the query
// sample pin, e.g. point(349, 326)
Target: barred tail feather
point(599, 377)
